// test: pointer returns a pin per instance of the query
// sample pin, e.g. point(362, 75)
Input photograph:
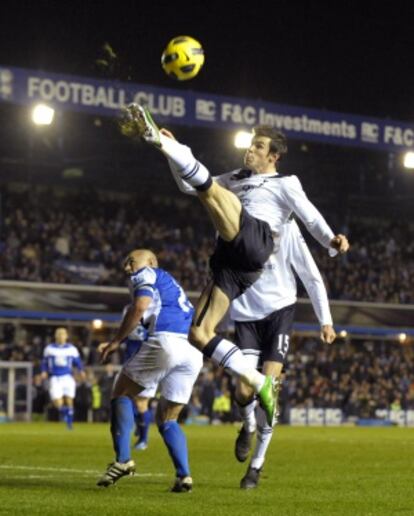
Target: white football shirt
point(273, 197)
point(270, 197)
point(276, 287)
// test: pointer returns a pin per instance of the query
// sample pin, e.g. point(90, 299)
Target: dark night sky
point(355, 57)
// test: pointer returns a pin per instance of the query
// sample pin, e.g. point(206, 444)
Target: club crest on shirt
point(247, 188)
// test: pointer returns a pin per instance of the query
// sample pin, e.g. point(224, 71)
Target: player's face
point(139, 259)
point(134, 262)
point(258, 156)
point(61, 335)
point(130, 265)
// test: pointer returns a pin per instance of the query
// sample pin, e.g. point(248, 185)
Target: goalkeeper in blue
point(166, 359)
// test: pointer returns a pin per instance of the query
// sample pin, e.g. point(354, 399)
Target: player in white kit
point(59, 358)
point(248, 208)
point(263, 318)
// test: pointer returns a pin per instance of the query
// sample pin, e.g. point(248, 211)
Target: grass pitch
point(48, 470)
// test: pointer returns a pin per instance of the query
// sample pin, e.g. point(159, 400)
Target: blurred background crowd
point(69, 238)
point(355, 376)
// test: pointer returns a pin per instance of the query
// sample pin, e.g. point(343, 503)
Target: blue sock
point(63, 413)
point(122, 423)
point(147, 417)
point(176, 443)
point(69, 417)
point(144, 426)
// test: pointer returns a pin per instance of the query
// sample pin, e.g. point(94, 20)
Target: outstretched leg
point(223, 207)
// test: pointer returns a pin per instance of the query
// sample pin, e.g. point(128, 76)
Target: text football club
point(173, 106)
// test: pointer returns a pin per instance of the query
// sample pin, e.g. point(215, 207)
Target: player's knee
point(199, 336)
point(211, 193)
point(160, 419)
point(167, 411)
point(142, 404)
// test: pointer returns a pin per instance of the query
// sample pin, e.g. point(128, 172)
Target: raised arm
point(315, 223)
point(129, 321)
point(302, 261)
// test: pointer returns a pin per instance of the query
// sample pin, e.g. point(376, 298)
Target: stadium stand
point(357, 377)
point(63, 237)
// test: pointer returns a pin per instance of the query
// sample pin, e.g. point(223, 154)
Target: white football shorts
point(167, 360)
point(146, 393)
point(60, 386)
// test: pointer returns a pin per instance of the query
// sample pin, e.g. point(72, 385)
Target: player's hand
point(340, 243)
point(328, 334)
point(106, 349)
point(167, 133)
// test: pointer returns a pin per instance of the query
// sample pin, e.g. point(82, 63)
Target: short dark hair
point(278, 141)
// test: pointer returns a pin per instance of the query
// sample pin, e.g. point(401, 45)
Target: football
point(182, 58)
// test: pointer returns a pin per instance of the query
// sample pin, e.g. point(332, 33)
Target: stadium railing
point(52, 304)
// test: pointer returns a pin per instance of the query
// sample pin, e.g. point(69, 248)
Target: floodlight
point(97, 324)
point(42, 114)
point(409, 159)
point(242, 140)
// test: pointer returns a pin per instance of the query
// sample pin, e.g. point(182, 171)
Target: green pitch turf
point(48, 470)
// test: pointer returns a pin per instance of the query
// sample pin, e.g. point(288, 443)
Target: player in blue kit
point(59, 358)
point(166, 359)
point(142, 414)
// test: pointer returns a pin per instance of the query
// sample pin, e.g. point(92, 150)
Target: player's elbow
point(139, 306)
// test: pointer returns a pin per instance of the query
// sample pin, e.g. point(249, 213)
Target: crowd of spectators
point(65, 237)
point(84, 238)
point(379, 266)
point(355, 376)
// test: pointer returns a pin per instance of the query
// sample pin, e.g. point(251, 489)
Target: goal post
point(16, 391)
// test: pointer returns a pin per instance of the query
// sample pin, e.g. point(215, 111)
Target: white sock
point(226, 354)
point(263, 438)
point(185, 164)
point(248, 416)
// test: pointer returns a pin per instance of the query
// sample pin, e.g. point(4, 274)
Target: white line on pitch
point(69, 470)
